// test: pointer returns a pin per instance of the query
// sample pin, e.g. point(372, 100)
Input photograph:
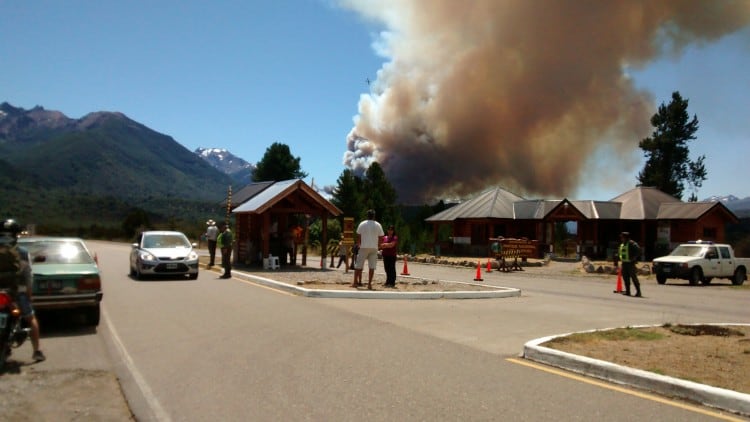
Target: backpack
point(10, 266)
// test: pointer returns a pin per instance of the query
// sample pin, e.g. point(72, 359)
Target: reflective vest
point(624, 252)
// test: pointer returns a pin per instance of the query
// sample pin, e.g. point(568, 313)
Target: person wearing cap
point(212, 232)
point(628, 253)
point(224, 241)
point(389, 248)
point(370, 236)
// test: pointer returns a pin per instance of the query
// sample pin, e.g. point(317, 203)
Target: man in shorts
point(369, 237)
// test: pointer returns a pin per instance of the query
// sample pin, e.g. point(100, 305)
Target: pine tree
point(668, 166)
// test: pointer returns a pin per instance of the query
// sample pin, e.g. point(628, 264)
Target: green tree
point(278, 164)
point(379, 194)
point(347, 195)
point(668, 166)
point(136, 218)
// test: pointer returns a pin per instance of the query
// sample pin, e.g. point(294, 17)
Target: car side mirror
point(135, 245)
point(195, 245)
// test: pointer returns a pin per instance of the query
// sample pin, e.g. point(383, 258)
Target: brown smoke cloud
point(517, 93)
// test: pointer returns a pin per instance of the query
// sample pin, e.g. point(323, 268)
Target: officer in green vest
point(224, 242)
point(628, 253)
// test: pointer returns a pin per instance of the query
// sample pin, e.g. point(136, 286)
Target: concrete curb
point(707, 395)
point(497, 292)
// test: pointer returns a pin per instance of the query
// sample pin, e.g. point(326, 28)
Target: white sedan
point(163, 253)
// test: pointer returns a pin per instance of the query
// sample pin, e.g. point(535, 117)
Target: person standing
point(19, 278)
point(628, 254)
point(212, 232)
point(343, 255)
point(224, 242)
point(369, 236)
point(389, 248)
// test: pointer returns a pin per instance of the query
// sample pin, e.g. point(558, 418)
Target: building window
point(709, 232)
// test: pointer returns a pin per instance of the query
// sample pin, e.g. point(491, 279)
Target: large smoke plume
point(530, 95)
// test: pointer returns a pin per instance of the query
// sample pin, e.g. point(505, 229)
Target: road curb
point(707, 395)
point(496, 292)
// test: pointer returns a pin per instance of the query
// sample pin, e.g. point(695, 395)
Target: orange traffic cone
point(619, 281)
point(489, 266)
point(406, 267)
point(478, 277)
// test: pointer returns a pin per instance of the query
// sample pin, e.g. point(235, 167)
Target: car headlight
point(145, 256)
point(193, 255)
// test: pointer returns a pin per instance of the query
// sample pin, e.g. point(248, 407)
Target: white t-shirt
point(212, 232)
point(369, 231)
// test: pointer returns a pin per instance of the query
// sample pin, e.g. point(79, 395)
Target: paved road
point(225, 349)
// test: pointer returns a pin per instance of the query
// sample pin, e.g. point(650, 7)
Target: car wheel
point(696, 276)
point(661, 278)
point(93, 315)
point(739, 276)
point(138, 274)
point(193, 276)
point(706, 281)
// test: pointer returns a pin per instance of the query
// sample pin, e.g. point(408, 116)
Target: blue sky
point(241, 75)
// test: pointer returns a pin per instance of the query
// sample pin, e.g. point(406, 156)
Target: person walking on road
point(369, 237)
point(628, 254)
point(212, 232)
point(224, 242)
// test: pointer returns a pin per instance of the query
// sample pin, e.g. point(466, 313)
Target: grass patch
point(617, 334)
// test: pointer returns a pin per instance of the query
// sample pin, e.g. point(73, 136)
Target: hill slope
point(98, 167)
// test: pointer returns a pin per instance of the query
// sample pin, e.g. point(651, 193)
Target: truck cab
point(700, 262)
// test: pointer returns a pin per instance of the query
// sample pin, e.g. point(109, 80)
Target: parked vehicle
point(66, 275)
point(700, 262)
point(163, 253)
point(13, 329)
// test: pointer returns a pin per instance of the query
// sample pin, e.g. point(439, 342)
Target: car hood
point(172, 253)
point(676, 259)
point(57, 269)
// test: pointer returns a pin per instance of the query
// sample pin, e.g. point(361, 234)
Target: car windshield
point(165, 241)
point(58, 252)
point(688, 250)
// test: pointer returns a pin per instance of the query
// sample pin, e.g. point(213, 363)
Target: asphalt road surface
point(213, 349)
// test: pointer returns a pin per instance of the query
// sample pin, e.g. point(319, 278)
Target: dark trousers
point(211, 252)
point(629, 272)
point(226, 261)
point(389, 262)
point(342, 260)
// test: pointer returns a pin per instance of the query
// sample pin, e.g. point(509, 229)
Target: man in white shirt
point(369, 237)
point(212, 232)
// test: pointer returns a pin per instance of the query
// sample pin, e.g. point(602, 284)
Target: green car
point(66, 275)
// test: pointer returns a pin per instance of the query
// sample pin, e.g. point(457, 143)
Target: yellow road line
point(625, 390)
point(252, 283)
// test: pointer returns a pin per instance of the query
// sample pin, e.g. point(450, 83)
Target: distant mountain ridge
point(58, 164)
point(238, 169)
point(732, 202)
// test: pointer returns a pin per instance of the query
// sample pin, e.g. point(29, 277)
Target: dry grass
point(714, 355)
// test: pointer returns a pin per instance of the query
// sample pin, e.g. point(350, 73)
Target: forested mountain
point(95, 170)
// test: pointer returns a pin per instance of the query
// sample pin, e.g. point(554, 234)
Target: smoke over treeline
point(518, 93)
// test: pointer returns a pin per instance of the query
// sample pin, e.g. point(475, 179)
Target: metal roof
point(684, 210)
point(642, 203)
point(249, 191)
point(492, 203)
point(270, 195)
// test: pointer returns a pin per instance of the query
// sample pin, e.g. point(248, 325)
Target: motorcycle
point(13, 329)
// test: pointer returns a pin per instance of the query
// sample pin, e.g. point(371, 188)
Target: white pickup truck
point(699, 262)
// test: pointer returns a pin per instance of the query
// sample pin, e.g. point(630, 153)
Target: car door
point(712, 267)
point(726, 262)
